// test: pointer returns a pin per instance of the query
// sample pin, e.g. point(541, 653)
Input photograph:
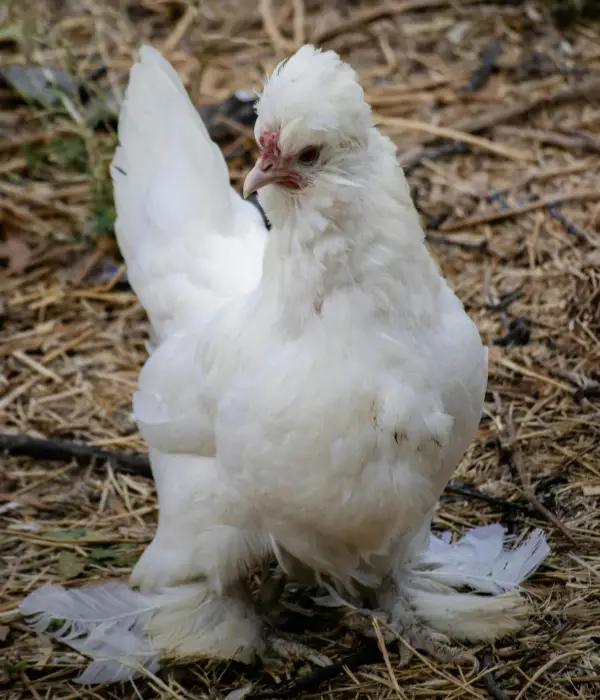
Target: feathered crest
point(313, 78)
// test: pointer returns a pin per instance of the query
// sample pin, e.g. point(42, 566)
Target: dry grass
point(72, 334)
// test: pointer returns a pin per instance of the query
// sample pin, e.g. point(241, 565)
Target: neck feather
point(361, 233)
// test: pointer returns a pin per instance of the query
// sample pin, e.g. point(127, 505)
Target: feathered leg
point(278, 648)
point(398, 617)
point(467, 591)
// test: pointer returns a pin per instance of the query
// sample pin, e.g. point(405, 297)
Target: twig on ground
point(584, 142)
point(516, 456)
point(279, 42)
point(488, 59)
point(506, 300)
point(580, 196)
point(490, 682)
point(479, 246)
point(309, 682)
point(396, 123)
point(65, 450)
point(587, 89)
point(569, 226)
point(451, 148)
point(372, 14)
point(472, 493)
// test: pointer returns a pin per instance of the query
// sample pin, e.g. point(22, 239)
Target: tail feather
point(189, 240)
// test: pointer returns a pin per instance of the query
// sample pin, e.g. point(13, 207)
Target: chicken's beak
point(263, 173)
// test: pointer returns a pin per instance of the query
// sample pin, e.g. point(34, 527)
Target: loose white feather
point(105, 622)
point(481, 561)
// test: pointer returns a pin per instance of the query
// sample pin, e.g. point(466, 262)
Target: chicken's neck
point(362, 241)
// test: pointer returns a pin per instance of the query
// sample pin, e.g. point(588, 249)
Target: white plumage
point(108, 621)
point(309, 391)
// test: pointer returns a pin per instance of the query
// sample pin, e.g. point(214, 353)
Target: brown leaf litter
point(494, 108)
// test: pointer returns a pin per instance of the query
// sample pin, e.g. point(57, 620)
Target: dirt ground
point(495, 108)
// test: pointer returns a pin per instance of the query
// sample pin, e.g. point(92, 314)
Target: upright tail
point(470, 590)
point(189, 240)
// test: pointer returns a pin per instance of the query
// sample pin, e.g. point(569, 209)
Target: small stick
point(279, 42)
point(587, 89)
point(470, 492)
point(499, 359)
point(584, 142)
point(578, 195)
point(506, 300)
point(65, 450)
point(386, 658)
point(487, 64)
point(516, 455)
point(454, 135)
point(479, 247)
point(299, 22)
point(182, 26)
point(569, 226)
point(372, 14)
point(489, 679)
point(309, 682)
point(450, 148)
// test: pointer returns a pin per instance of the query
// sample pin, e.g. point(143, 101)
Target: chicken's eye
point(309, 155)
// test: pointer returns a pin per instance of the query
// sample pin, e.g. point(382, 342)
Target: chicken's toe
point(278, 648)
point(404, 626)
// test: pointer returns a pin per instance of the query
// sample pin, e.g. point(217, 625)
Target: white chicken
point(309, 392)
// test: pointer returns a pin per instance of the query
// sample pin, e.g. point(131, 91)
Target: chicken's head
point(312, 126)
